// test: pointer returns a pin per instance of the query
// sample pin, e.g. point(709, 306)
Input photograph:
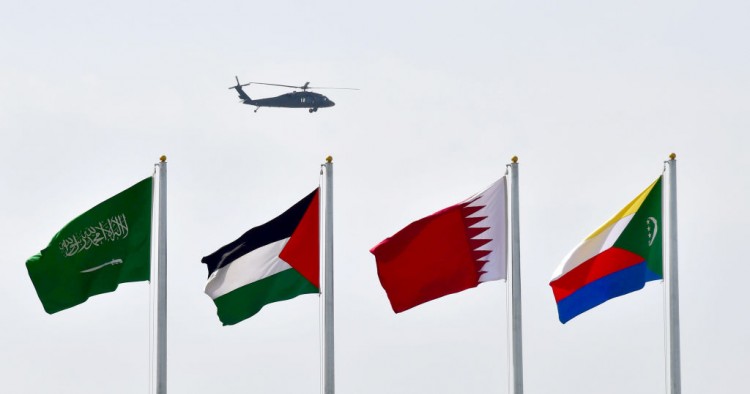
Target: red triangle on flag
point(302, 251)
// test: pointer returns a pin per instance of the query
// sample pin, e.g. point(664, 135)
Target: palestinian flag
point(449, 251)
point(618, 258)
point(275, 261)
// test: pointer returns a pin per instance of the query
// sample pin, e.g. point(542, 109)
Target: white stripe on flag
point(590, 247)
point(252, 267)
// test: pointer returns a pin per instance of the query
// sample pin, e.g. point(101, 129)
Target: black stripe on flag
point(275, 230)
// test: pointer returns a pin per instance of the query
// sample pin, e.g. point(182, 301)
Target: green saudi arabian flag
point(108, 245)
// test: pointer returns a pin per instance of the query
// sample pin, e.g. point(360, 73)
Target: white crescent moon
point(656, 229)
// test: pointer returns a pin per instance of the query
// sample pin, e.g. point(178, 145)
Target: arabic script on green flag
point(108, 245)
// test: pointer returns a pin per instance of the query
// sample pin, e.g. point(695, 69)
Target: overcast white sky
point(592, 97)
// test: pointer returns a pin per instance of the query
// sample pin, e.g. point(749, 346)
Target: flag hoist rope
point(513, 285)
point(152, 292)
point(671, 294)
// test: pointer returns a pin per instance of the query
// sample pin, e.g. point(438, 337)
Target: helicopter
point(295, 99)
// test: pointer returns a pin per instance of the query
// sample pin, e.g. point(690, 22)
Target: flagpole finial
point(163, 158)
point(329, 159)
point(672, 156)
point(514, 159)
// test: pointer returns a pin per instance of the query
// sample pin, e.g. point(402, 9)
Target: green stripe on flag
point(246, 301)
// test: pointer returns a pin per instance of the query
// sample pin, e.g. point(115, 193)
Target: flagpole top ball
point(672, 156)
point(163, 158)
point(329, 159)
point(514, 159)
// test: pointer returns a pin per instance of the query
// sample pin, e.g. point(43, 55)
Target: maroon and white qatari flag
point(452, 250)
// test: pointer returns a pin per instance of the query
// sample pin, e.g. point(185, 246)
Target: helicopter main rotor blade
point(306, 86)
point(329, 87)
point(277, 84)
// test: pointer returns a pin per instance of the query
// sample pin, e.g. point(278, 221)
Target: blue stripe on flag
point(595, 293)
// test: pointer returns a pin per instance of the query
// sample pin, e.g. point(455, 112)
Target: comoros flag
point(449, 251)
point(616, 259)
point(275, 261)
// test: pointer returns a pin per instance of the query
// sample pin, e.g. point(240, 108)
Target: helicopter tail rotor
point(238, 88)
point(238, 83)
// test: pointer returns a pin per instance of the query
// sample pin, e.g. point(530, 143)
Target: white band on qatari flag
point(493, 203)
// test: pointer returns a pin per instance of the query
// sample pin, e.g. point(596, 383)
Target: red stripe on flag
point(597, 267)
point(302, 251)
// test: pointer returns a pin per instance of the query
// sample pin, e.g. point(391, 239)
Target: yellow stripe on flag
point(629, 209)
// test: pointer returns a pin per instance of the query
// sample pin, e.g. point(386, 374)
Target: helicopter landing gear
point(256, 109)
point(311, 110)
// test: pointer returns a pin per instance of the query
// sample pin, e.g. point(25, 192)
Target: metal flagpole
point(161, 284)
point(328, 352)
point(515, 373)
point(674, 385)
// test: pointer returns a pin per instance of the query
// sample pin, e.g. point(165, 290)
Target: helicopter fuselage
point(302, 99)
